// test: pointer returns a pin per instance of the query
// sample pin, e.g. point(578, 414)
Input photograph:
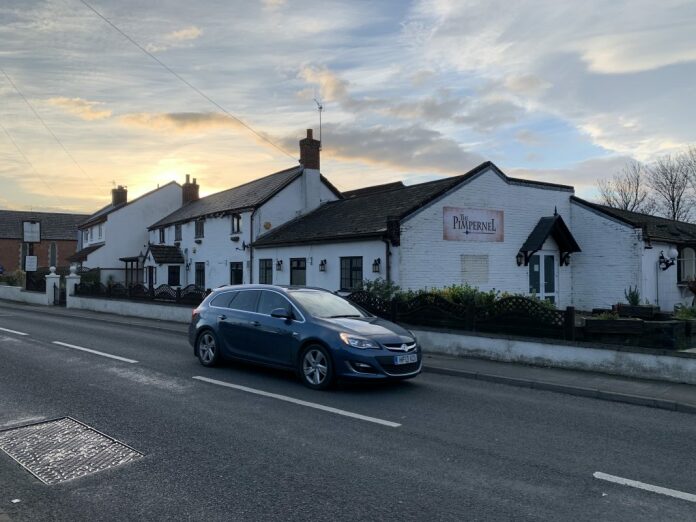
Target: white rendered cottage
point(118, 233)
point(207, 241)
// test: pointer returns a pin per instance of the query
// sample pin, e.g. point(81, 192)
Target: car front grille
point(398, 347)
point(401, 369)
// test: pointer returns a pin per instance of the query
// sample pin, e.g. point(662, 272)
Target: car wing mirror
point(282, 313)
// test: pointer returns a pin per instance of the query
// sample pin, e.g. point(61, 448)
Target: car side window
point(245, 300)
point(223, 300)
point(269, 301)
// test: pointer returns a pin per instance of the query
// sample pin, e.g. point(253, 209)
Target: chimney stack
point(309, 151)
point(189, 191)
point(119, 195)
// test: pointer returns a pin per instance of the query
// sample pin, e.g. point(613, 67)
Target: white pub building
point(481, 228)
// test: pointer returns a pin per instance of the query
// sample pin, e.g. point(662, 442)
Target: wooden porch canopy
point(550, 226)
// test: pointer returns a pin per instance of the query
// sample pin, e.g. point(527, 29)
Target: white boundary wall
point(628, 364)
point(18, 294)
point(145, 310)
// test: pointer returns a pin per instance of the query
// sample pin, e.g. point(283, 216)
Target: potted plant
point(633, 308)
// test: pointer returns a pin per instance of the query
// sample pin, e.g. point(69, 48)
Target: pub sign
point(472, 224)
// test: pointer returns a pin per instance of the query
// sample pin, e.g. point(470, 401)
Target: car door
point(276, 338)
point(237, 323)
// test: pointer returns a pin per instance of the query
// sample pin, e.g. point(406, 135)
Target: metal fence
point(188, 295)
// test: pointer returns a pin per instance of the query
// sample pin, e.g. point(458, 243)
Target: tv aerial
point(320, 108)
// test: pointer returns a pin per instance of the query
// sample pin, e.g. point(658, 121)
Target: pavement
point(651, 393)
point(240, 442)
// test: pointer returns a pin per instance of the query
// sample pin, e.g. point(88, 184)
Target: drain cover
point(63, 449)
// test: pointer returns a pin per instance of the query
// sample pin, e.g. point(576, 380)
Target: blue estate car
point(312, 331)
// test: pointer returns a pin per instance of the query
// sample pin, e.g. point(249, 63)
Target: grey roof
point(555, 227)
point(373, 189)
point(100, 215)
point(166, 254)
point(81, 255)
point(54, 225)
point(244, 197)
point(654, 227)
point(367, 215)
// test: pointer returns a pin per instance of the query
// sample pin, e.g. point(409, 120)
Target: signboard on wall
point(32, 231)
point(472, 224)
point(31, 263)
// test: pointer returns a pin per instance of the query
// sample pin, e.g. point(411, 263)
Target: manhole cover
point(63, 449)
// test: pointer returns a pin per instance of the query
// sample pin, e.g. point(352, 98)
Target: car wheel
point(208, 349)
point(316, 368)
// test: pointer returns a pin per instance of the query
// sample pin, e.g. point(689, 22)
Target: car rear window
point(245, 300)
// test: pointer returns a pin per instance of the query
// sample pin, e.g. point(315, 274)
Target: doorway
point(542, 276)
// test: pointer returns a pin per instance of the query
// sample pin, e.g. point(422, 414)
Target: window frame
point(237, 265)
point(236, 224)
point(681, 262)
point(265, 268)
point(199, 264)
point(351, 270)
point(53, 254)
point(162, 236)
point(199, 232)
point(178, 275)
point(177, 232)
point(303, 269)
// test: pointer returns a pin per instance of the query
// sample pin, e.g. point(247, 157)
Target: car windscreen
point(324, 304)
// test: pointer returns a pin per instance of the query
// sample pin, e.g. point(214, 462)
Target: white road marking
point(12, 331)
point(647, 487)
point(95, 352)
point(300, 402)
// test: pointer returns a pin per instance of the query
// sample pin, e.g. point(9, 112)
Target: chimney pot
point(119, 195)
point(187, 178)
point(189, 192)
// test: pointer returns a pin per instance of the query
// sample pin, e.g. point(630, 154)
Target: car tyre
point(316, 367)
point(208, 349)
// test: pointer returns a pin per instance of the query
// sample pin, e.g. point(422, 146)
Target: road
point(434, 448)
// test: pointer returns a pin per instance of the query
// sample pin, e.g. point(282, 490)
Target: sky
point(555, 91)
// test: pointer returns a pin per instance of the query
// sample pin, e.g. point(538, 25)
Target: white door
point(542, 276)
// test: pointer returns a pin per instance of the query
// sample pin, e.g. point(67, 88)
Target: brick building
point(58, 238)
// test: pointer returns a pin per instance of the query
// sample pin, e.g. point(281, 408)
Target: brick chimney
point(189, 191)
point(309, 151)
point(119, 195)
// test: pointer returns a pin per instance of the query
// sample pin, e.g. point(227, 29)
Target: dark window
point(270, 301)
point(200, 275)
point(53, 254)
point(351, 273)
point(236, 273)
point(534, 275)
point(200, 228)
point(161, 234)
point(298, 271)
point(177, 232)
point(223, 300)
point(266, 271)
point(174, 276)
point(245, 300)
point(236, 224)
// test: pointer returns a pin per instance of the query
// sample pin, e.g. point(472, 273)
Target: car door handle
point(255, 323)
point(222, 317)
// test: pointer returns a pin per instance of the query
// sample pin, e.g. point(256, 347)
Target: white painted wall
point(661, 286)
point(178, 313)
point(19, 295)
point(427, 260)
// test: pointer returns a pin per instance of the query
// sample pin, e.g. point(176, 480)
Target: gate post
point(52, 281)
point(70, 282)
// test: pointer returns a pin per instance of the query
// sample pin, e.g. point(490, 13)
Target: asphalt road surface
point(240, 443)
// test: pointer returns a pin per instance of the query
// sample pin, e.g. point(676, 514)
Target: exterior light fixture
point(376, 265)
point(519, 258)
point(322, 265)
point(665, 262)
point(279, 265)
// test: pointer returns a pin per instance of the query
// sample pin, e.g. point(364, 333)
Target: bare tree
point(628, 189)
point(670, 177)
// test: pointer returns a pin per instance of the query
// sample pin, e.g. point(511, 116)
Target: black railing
point(514, 315)
point(188, 295)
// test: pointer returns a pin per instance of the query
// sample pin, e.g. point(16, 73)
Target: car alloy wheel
point(207, 349)
point(316, 370)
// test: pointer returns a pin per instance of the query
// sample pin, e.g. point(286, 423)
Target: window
point(91, 233)
point(266, 271)
point(245, 301)
point(298, 271)
point(85, 236)
point(174, 275)
point(162, 235)
point(200, 228)
point(177, 232)
point(325, 304)
point(99, 231)
point(269, 301)
point(236, 273)
point(223, 299)
point(200, 275)
point(351, 273)
point(53, 254)
point(236, 224)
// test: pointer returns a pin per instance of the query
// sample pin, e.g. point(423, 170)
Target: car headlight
point(358, 342)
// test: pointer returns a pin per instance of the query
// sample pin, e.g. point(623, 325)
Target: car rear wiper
point(341, 316)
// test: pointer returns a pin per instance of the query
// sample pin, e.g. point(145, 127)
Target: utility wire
point(186, 82)
point(38, 116)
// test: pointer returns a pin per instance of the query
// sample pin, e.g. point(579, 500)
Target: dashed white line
point(300, 402)
point(95, 352)
point(12, 331)
point(647, 487)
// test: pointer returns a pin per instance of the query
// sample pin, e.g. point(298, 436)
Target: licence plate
point(406, 359)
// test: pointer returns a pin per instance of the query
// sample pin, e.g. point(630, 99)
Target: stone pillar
point(70, 281)
point(52, 280)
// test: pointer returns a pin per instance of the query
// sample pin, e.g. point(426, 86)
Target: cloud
point(178, 38)
point(84, 109)
point(181, 121)
point(332, 88)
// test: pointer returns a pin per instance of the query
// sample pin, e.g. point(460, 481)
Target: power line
point(186, 82)
point(38, 116)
